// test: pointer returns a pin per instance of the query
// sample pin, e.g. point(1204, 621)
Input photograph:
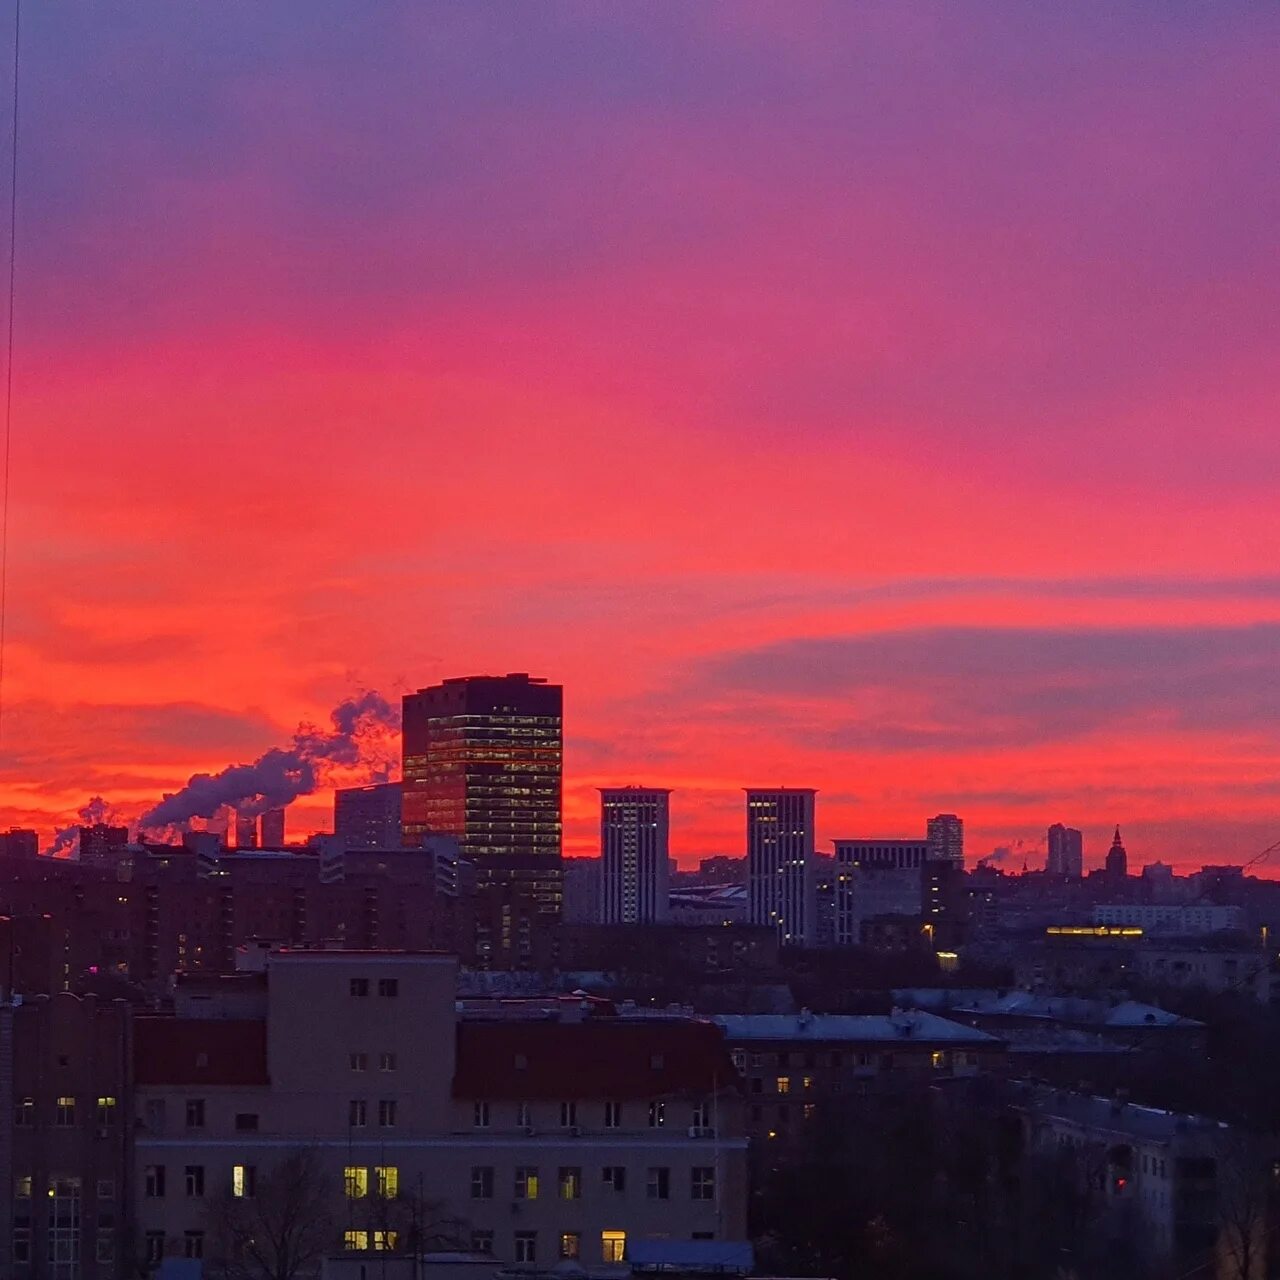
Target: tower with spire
point(1117, 858)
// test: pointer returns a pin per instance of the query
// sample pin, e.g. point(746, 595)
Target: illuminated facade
point(483, 763)
point(634, 840)
point(780, 864)
point(946, 839)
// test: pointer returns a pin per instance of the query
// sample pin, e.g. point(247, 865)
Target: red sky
point(877, 398)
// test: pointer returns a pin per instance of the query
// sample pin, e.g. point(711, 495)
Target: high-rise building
point(634, 834)
point(103, 844)
point(946, 838)
point(1066, 852)
point(583, 902)
point(876, 878)
point(368, 817)
point(780, 867)
point(246, 831)
point(482, 763)
point(19, 843)
point(271, 829)
point(1117, 858)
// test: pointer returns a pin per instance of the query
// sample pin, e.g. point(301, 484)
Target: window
point(386, 1062)
point(526, 1246)
point(482, 1182)
point(480, 1115)
point(195, 1179)
point(614, 1177)
point(570, 1180)
point(193, 1244)
point(154, 1248)
point(784, 1084)
point(659, 1185)
point(526, 1183)
point(106, 1188)
point(359, 986)
point(105, 1251)
point(568, 1114)
point(355, 1241)
point(657, 1114)
point(153, 1181)
point(65, 1114)
point(21, 1244)
point(24, 1114)
point(806, 1083)
point(385, 1241)
point(570, 1245)
point(247, 1122)
point(356, 1181)
point(702, 1182)
point(22, 1187)
point(702, 1115)
point(613, 1115)
point(482, 1242)
point(357, 1113)
point(359, 1062)
point(387, 1179)
point(388, 986)
point(613, 1246)
point(195, 1113)
point(106, 1110)
point(387, 1113)
point(244, 1181)
point(938, 1059)
point(524, 1116)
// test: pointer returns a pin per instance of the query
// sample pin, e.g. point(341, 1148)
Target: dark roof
point(604, 1058)
point(212, 1051)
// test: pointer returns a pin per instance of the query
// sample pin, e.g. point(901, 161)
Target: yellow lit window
point(357, 1241)
point(613, 1245)
point(938, 1058)
point(356, 1181)
point(387, 1180)
point(384, 1240)
point(243, 1178)
point(784, 1084)
point(22, 1187)
point(807, 1082)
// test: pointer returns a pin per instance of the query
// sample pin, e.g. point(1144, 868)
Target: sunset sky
point(877, 397)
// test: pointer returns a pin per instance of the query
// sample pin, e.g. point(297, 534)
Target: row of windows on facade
point(815, 1060)
point(66, 1111)
point(613, 1244)
point(386, 986)
point(612, 1115)
point(569, 1182)
point(939, 1060)
point(245, 1121)
point(63, 1232)
point(244, 1181)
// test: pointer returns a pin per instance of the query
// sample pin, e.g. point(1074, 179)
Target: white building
point(780, 864)
point(1185, 921)
point(635, 827)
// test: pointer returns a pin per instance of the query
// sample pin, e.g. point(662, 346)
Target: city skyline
point(869, 400)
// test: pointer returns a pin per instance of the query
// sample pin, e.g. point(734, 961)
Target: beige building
point(540, 1136)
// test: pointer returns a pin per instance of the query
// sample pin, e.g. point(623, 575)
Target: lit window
point(244, 1180)
point(387, 1180)
point(570, 1244)
point(66, 1112)
point(784, 1084)
point(355, 1241)
point(938, 1058)
point(106, 1110)
point(356, 1181)
point(526, 1183)
point(384, 1241)
point(613, 1246)
point(22, 1187)
point(806, 1083)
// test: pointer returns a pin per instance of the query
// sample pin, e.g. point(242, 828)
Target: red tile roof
point(604, 1058)
point(193, 1051)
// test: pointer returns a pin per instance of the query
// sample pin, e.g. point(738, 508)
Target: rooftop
point(914, 1024)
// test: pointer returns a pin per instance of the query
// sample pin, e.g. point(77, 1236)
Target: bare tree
point(1244, 1179)
point(410, 1223)
point(280, 1231)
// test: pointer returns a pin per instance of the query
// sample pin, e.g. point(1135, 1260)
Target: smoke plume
point(281, 775)
point(67, 841)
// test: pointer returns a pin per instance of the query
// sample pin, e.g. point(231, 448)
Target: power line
point(8, 390)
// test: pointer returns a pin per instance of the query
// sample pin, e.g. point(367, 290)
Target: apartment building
point(561, 1134)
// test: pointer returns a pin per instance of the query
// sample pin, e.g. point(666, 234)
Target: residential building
point(368, 817)
point(65, 1137)
point(583, 891)
point(874, 878)
point(19, 843)
point(482, 763)
point(1182, 920)
point(796, 1067)
point(271, 829)
point(635, 825)
point(246, 829)
point(102, 844)
point(1066, 852)
point(780, 834)
point(561, 1135)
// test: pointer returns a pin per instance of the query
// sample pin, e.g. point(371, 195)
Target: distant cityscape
point(428, 1015)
